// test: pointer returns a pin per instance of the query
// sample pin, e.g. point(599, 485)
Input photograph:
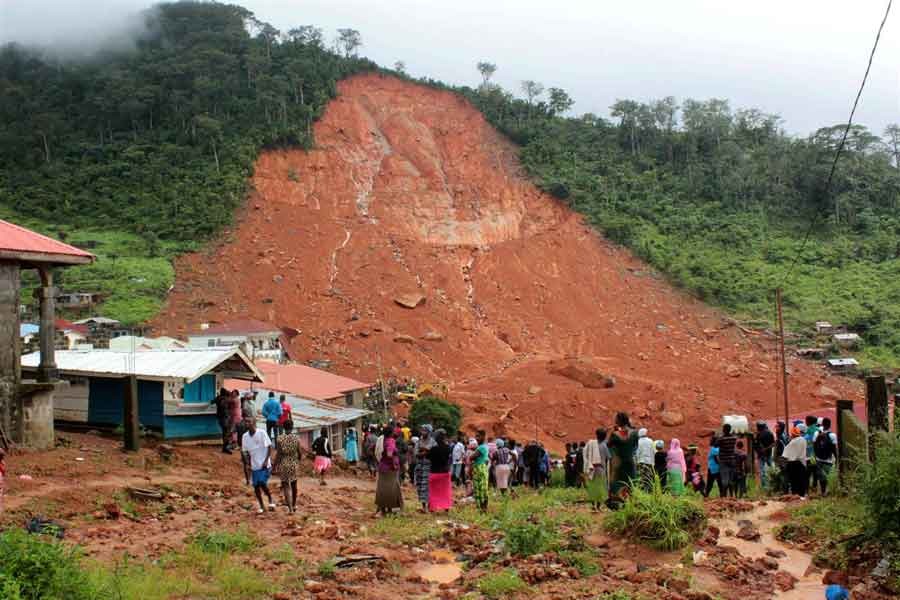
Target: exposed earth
point(83, 484)
point(411, 199)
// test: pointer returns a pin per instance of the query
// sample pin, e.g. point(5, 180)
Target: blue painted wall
point(202, 390)
point(192, 426)
point(106, 397)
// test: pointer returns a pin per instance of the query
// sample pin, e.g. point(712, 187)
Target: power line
point(840, 147)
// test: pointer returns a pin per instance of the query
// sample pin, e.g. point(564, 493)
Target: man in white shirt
point(459, 452)
point(256, 448)
point(645, 455)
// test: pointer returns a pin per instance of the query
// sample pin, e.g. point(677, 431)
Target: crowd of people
point(617, 460)
point(609, 465)
point(433, 463)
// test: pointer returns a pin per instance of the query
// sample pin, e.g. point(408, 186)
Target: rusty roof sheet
point(30, 245)
point(305, 382)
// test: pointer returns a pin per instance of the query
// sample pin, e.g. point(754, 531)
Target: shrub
point(501, 585)
point(879, 486)
point(436, 412)
point(659, 519)
point(34, 567)
point(527, 539)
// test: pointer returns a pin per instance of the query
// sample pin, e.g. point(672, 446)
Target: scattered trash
point(26, 477)
point(79, 458)
point(42, 526)
point(700, 557)
point(145, 494)
point(351, 560)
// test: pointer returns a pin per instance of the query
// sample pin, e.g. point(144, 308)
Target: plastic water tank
point(739, 423)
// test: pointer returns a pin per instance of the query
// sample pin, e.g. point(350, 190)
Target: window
point(348, 399)
point(211, 343)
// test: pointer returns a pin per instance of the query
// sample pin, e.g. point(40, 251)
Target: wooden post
point(784, 373)
point(131, 423)
point(842, 453)
point(876, 409)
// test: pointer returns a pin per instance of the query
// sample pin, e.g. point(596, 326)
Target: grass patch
point(327, 569)
point(658, 519)
point(531, 521)
point(411, 528)
point(822, 518)
point(501, 584)
point(225, 542)
point(617, 595)
point(584, 561)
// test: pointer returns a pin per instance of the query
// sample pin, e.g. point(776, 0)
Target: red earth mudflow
point(525, 311)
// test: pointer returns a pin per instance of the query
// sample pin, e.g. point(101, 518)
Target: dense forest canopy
point(147, 153)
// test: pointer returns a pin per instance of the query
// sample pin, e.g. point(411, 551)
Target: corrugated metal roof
point(306, 414)
point(239, 327)
point(307, 382)
point(16, 239)
point(184, 364)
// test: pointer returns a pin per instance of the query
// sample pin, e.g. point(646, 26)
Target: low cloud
point(73, 29)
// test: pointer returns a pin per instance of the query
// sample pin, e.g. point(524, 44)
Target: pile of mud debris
point(408, 241)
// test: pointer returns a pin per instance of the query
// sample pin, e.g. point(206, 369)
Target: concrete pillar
point(843, 455)
point(876, 409)
point(47, 293)
point(10, 368)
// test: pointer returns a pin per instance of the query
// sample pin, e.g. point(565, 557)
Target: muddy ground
point(84, 483)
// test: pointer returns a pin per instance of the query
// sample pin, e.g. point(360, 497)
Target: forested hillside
point(146, 153)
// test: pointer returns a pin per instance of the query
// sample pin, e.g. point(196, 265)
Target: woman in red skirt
point(440, 486)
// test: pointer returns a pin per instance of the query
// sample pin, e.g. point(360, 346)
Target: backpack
point(823, 446)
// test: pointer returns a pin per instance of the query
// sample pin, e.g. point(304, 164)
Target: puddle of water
point(440, 573)
point(796, 562)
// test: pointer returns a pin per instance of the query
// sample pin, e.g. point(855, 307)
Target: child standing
point(740, 470)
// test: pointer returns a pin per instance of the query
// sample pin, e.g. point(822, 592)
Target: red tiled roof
point(240, 327)
point(64, 325)
point(18, 240)
point(302, 381)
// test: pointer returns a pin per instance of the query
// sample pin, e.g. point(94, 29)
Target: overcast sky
point(802, 59)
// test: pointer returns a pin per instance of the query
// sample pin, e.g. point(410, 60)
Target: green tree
point(487, 70)
point(439, 413)
point(560, 101)
point(349, 40)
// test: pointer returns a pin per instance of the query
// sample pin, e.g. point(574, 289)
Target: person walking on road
point(322, 449)
point(388, 494)
point(256, 448)
point(287, 464)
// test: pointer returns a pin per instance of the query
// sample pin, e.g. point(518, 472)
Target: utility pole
point(784, 373)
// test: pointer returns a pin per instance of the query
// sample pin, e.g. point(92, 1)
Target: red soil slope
point(410, 191)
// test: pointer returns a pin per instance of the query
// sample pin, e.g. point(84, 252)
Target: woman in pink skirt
point(322, 448)
point(440, 487)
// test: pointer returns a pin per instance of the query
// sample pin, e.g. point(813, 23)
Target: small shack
point(843, 365)
point(175, 387)
point(846, 340)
